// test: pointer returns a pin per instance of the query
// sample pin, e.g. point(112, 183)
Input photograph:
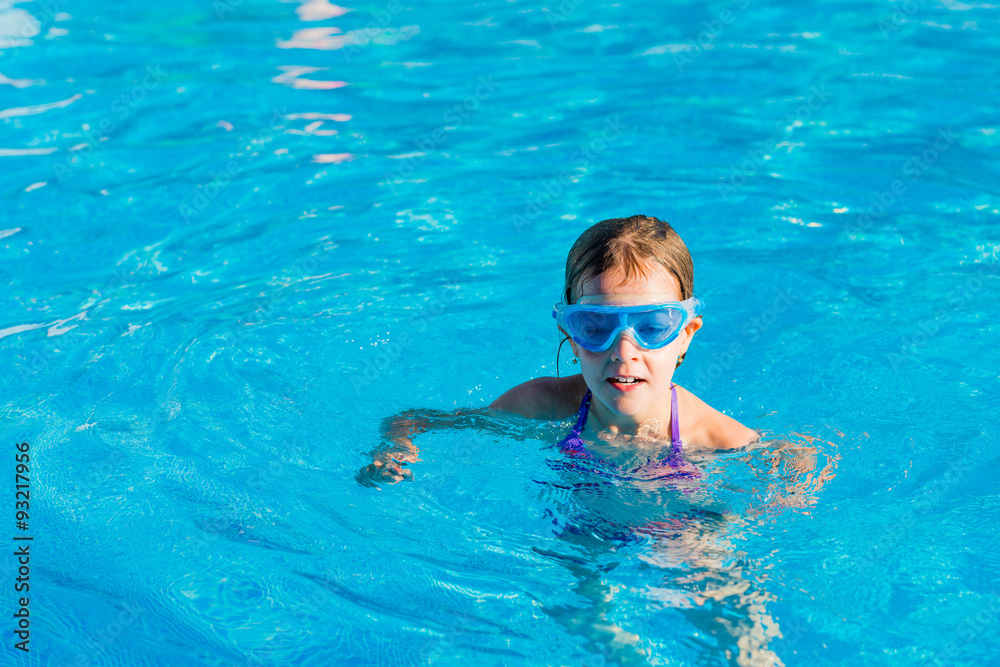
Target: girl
point(629, 314)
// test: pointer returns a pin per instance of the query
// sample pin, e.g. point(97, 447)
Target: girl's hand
point(388, 464)
point(389, 460)
point(795, 481)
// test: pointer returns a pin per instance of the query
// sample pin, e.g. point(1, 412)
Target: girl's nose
point(625, 347)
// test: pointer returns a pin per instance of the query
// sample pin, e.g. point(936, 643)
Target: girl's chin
point(625, 404)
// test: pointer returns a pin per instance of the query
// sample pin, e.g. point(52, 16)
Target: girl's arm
point(389, 460)
point(542, 398)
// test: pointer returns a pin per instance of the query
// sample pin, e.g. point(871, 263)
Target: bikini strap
point(675, 426)
point(581, 418)
point(572, 443)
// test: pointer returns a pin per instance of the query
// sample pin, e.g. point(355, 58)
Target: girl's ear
point(689, 332)
point(572, 343)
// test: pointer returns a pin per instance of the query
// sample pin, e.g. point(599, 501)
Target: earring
point(576, 360)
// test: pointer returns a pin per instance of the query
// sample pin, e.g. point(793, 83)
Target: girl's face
point(627, 404)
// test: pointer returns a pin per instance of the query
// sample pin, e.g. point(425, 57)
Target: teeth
point(621, 379)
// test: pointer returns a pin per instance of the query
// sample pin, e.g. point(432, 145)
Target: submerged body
point(669, 466)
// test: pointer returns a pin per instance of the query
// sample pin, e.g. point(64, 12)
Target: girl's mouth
point(625, 382)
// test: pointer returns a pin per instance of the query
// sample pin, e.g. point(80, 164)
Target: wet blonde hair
point(629, 245)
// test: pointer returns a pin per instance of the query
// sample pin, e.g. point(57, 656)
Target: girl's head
point(629, 262)
point(632, 246)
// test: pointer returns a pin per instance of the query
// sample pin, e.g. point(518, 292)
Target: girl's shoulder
point(710, 428)
point(544, 398)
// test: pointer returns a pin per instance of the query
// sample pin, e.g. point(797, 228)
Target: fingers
point(396, 471)
point(386, 471)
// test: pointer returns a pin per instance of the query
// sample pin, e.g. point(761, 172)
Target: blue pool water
point(237, 235)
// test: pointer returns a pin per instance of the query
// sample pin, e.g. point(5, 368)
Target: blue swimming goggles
point(655, 325)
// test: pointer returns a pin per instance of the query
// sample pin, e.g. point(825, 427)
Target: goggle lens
point(657, 326)
point(594, 328)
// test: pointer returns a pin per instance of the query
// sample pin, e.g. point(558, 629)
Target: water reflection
point(331, 39)
point(318, 10)
point(292, 76)
point(332, 158)
point(324, 39)
point(35, 109)
point(17, 26)
point(19, 83)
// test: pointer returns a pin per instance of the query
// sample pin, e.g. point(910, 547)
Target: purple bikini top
point(573, 444)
